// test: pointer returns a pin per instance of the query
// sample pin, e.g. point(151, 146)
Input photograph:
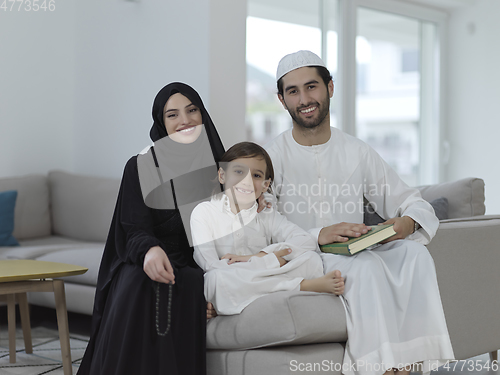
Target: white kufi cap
point(297, 60)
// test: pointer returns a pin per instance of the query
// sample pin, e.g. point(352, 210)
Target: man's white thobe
point(394, 311)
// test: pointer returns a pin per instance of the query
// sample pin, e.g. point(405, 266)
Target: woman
point(140, 324)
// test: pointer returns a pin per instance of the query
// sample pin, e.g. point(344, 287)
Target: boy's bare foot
point(332, 282)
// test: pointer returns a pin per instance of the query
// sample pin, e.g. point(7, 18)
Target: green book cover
point(356, 244)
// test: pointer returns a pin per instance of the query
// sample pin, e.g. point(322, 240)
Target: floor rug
point(46, 357)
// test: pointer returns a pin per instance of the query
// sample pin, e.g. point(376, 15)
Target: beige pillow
point(465, 196)
point(82, 206)
point(32, 213)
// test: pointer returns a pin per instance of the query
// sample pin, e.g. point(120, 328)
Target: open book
point(356, 244)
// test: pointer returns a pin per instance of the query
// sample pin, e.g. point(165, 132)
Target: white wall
point(228, 69)
point(77, 85)
point(125, 52)
point(36, 88)
point(474, 97)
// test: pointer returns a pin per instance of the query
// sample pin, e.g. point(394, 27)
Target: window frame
point(434, 147)
point(432, 109)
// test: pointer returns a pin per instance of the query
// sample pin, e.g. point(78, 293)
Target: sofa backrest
point(32, 210)
point(82, 206)
point(465, 196)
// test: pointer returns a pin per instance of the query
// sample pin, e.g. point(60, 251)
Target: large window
point(384, 57)
point(276, 28)
point(388, 50)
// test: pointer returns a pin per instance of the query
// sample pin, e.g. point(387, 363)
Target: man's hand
point(263, 203)
point(280, 254)
point(341, 232)
point(158, 267)
point(211, 313)
point(404, 226)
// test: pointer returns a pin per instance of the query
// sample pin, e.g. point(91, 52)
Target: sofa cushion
point(35, 248)
point(79, 298)
point(320, 359)
point(465, 196)
point(281, 318)
point(86, 255)
point(440, 206)
point(50, 241)
point(32, 213)
point(82, 206)
point(7, 206)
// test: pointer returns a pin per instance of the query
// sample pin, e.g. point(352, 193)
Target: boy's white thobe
point(218, 231)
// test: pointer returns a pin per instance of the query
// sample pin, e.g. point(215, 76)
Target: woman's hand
point(211, 313)
point(158, 267)
point(263, 203)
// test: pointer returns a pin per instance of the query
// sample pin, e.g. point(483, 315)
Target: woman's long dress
point(128, 314)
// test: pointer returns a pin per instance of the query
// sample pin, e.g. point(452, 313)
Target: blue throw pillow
point(7, 205)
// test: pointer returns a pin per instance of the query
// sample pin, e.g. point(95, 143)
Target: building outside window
point(395, 83)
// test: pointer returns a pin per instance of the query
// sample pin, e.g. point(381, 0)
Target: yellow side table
point(17, 277)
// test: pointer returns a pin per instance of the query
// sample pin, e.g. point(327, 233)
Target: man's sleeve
point(392, 197)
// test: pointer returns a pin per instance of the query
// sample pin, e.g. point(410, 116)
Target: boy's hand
point(233, 258)
point(280, 254)
point(242, 258)
point(263, 203)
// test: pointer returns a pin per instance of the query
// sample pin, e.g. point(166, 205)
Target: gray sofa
point(65, 218)
point(301, 332)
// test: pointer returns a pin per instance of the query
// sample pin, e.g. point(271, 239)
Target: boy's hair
point(249, 150)
point(323, 72)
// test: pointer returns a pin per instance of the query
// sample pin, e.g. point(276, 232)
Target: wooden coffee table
point(17, 277)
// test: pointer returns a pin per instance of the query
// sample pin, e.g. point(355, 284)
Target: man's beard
point(324, 110)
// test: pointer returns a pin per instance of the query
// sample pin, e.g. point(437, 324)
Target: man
point(322, 176)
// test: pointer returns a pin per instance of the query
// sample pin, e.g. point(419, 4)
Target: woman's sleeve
point(134, 232)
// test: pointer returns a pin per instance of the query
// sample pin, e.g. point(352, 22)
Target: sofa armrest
point(467, 256)
point(471, 218)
